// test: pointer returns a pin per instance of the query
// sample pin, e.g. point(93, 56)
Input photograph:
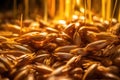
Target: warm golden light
point(82, 10)
point(77, 24)
point(26, 8)
point(108, 10)
point(45, 10)
point(75, 17)
point(82, 17)
point(56, 9)
point(103, 9)
point(69, 8)
point(62, 22)
point(119, 15)
point(51, 8)
point(89, 9)
point(78, 2)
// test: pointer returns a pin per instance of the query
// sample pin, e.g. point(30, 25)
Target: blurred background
point(58, 9)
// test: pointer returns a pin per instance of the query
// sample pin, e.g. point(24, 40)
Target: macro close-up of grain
point(60, 40)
